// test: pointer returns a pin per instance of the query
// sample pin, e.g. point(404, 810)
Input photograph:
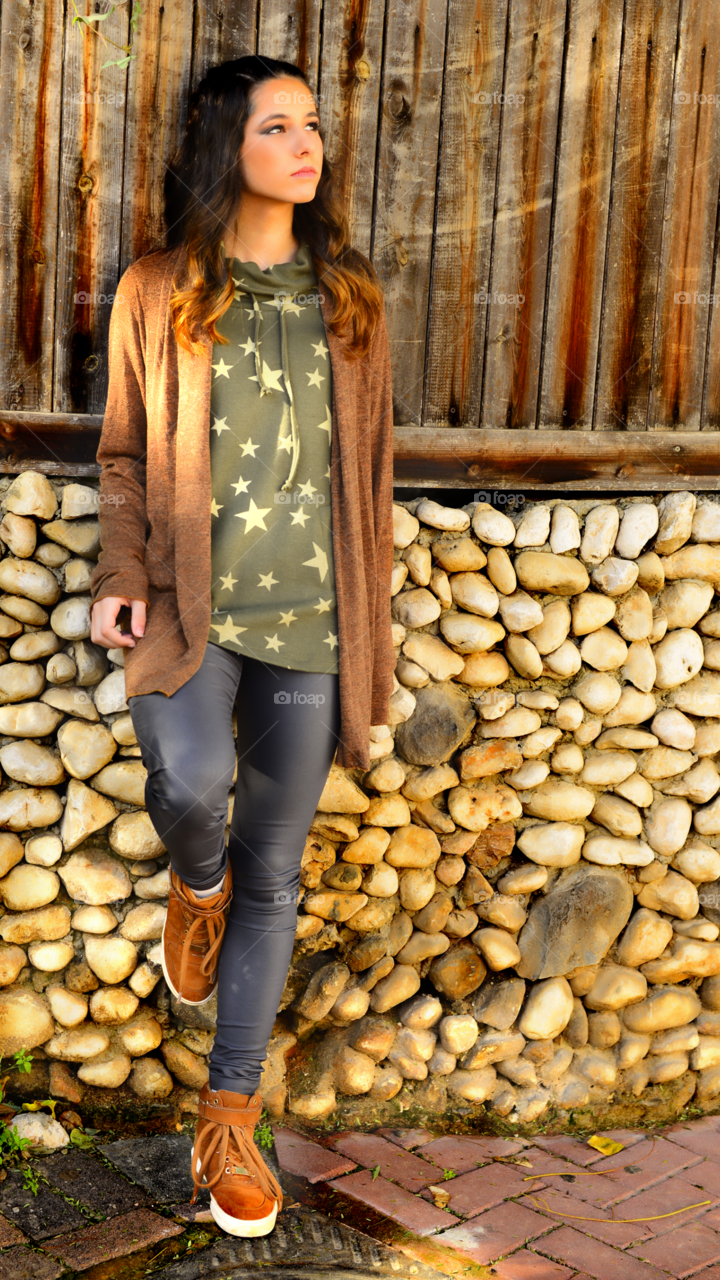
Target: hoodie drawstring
point(266, 390)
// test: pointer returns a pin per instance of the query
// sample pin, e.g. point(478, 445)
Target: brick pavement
point(568, 1223)
point(542, 1208)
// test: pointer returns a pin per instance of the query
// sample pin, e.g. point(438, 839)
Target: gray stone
point(160, 1164)
point(575, 922)
point(40, 1216)
point(498, 1003)
point(83, 1178)
point(442, 717)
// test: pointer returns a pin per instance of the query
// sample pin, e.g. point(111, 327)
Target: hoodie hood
point(277, 287)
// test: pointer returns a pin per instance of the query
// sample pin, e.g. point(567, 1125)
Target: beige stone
point(616, 986)
point(500, 570)
point(29, 579)
point(77, 1044)
point(505, 910)
point(25, 888)
point(684, 603)
point(106, 1070)
point(619, 816)
point(387, 811)
point(441, 662)
point(543, 571)
point(564, 531)
point(25, 1021)
point(698, 862)
point(667, 826)
point(676, 511)
point(85, 812)
point(590, 612)
point(12, 961)
point(110, 1006)
point(28, 720)
point(534, 527)
point(633, 707)
point(140, 1035)
point(31, 494)
point(567, 758)
point(673, 894)
point(417, 887)
point(474, 592)
point(458, 554)
point(71, 700)
point(485, 670)
point(615, 576)
point(149, 1078)
point(24, 610)
point(475, 806)
point(674, 729)
point(94, 877)
point(111, 959)
point(611, 851)
point(491, 526)
point(560, 801)
point(20, 680)
point(549, 634)
point(603, 649)
point(124, 780)
point(46, 923)
point(600, 532)
point(144, 922)
point(607, 768)
point(69, 1008)
point(473, 1086)
point(411, 846)
point(598, 692)
point(663, 762)
point(42, 851)
point(29, 762)
point(85, 748)
point(49, 957)
point(497, 947)
point(94, 919)
point(678, 658)
point(547, 1010)
point(569, 714)
point(82, 537)
point(639, 666)
point(402, 983)
point(523, 656)
point(638, 524)
point(470, 634)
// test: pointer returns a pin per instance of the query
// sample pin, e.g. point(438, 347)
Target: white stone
point(110, 694)
point(615, 576)
point(611, 851)
point(603, 649)
point(638, 524)
point(547, 1010)
point(565, 530)
point(491, 526)
point(674, 729)
point(554, 844)
point(667, 826)
point(534, 527)
point(601, 526)
point(598, 692)
point(520, 612)
point(676, 512)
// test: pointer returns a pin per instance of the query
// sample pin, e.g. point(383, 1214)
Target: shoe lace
point(233, 1144)
point(213, 918)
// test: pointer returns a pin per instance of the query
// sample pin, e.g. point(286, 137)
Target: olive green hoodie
point(273, 582)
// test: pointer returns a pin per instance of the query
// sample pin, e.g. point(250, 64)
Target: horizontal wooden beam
point(624, 460)
point(441, 457)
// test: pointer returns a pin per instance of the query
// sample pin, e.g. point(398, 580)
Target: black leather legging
point(288, 723)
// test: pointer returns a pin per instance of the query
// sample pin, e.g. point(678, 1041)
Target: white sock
point(208, 893)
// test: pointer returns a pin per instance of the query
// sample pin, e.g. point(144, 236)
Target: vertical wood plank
point(407, 169)
point(582, 192)
point(710, 418)
point(636, 219)
point(290, 29)
point(461, 244)
point(93, 126)
point(158, 84)
point(30, 80)
point(533, 75)
point(349, 94)
point(224, 30)
point(693, 175)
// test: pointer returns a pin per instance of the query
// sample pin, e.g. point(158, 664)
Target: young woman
point(246, 515)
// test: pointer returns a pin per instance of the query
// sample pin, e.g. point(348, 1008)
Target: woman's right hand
point(103, 619)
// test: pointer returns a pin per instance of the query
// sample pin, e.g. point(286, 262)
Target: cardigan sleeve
point(382, 465)
point(120, 569)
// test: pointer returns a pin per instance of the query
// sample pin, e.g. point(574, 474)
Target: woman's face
point(282, 152)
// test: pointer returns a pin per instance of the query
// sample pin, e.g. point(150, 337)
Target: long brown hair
point(203, 189)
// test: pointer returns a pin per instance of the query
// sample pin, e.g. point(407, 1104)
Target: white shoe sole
point(170, 985)
point(242, 1226)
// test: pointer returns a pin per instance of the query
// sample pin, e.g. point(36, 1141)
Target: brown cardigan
point(155, 495)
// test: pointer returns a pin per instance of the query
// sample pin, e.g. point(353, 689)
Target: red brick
point(306, 1159)
point(9, 1234)
point(703, 1141)
point(705, 1175)
point(483, 1188)
point(420, 1218)
point(460, 1154)
point(495, 1233)
point(397, 1165)
point(112, 1239)
point(26, 1264)
point(597, 1259)
point(666, 1197)
point(578, 1151)
point(711, 1273)
point(525, 1265)
point(408, 1139)
point(647, 1163)
point(683, 1250)
point(595, 1222)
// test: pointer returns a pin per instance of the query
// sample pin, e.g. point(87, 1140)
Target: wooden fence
point(536, 182)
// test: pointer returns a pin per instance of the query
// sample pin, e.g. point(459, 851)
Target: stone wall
point(518, 905)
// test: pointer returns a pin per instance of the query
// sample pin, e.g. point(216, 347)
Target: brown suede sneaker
point(191, 940)
point(246, 1197)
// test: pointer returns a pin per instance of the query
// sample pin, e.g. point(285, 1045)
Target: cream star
point(248, 446)
point(307, 489)
point(220, 425)
point(270, 376)
point(323, 606)
point(267, 580)
point(240, 485)
point(251, 310)
point(326, 425)
point(326, 475)
point(215, 509)
point(300, 517)
point(287, 618)
point(292, 308)
point(315, 378)
point(319, 561)
point(285, 442)
point(254, 515)
point(248, 347)
point(331, 640)
point(274, 643)
point(228, 582)
point(223, 369)
point(228, 631)
point(320, 349)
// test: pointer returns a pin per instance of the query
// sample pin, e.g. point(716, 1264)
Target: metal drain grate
point(306, 1246)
